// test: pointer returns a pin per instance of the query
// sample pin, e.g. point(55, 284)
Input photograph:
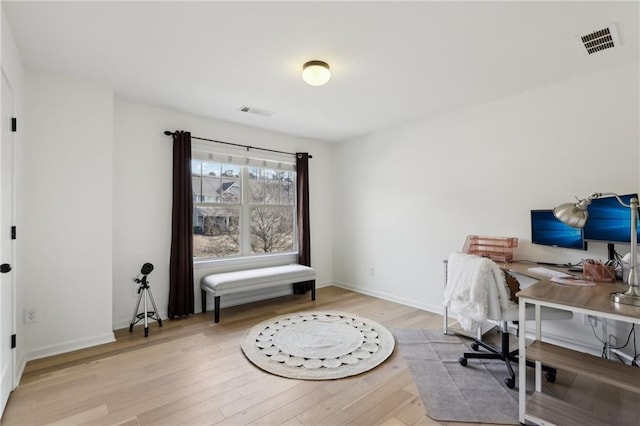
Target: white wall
point(405, 198)
point(11, 65)
point(65, 204)
point(142, 200)
point(385, 209)
point(98, 179)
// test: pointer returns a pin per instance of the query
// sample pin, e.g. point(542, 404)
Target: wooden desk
point(544, 409)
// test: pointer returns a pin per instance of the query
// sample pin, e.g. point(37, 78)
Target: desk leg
point(538, 363)
point(446, 321)
point(446, 309)
point(522, 363)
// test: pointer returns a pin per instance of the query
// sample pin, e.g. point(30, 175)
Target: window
point(242, 210)
point(272, 202)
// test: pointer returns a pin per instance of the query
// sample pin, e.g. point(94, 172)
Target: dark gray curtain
point(181, 299)
point(304, 231)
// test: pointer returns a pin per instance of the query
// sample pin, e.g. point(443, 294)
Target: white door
point(6, 247)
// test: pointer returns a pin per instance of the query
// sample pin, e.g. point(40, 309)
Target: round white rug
point(317, 345)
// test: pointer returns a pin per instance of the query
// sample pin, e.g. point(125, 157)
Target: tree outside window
point(272, 201)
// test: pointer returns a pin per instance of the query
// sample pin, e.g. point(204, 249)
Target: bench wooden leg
point(216, 301)
point(204, 300)
point(313, 289)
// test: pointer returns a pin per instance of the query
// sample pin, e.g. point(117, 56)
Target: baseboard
point(124, 323)
point(550, 337)
point(231, 300)
point(21, 365)
point(567, 342)
point(438, 309)
point(257, 295)
point(69, 346)
point(250, 296)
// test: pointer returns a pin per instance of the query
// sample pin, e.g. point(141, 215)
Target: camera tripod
point(145, 292)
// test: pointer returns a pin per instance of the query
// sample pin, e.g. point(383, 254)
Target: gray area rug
point(317, 345)
point(451, 392)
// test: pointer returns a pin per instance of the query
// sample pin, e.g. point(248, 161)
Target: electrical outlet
point(30, 316)
point(372, 271)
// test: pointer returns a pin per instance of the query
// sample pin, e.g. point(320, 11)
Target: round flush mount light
point(316, 73)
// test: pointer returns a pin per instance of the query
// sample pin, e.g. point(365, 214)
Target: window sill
point(240, 262)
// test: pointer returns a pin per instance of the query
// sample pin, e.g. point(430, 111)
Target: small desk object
point(544, 409)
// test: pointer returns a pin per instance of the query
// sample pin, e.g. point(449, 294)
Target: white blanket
point(466, 293)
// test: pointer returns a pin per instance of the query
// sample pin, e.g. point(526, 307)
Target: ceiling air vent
point(606, 38)
point(256, 111)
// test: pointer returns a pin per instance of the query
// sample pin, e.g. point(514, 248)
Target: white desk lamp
point(575, 215)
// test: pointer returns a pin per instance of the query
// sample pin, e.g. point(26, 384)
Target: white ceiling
point(391, 62)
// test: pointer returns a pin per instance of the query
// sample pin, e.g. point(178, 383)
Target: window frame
point(245, 207)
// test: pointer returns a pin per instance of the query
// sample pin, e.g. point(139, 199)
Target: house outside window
point(242, 207)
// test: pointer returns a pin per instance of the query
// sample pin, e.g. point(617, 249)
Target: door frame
point(12, 376)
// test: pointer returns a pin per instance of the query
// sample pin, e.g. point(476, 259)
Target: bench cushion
point(255, 279)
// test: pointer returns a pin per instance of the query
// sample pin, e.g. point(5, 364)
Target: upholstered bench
point(253, 279)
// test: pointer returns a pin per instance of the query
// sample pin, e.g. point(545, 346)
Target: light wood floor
point(193, 372)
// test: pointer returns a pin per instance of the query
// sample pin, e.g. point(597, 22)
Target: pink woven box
point(498, 249)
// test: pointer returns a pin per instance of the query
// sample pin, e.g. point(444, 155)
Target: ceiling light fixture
point(316, 73)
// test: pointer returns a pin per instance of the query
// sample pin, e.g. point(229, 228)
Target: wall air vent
point(605, 38)
point(256, 111)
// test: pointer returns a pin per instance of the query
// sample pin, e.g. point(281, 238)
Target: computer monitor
point(549, 231)
point(609, 221)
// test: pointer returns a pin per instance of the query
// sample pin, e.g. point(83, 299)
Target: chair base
point(505, 355)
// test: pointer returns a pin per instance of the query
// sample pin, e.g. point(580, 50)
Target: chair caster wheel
point(130, 328)
point(462, 361)
point(551, 377)
point(475, 346)
point(511, 383)
point(159, 323)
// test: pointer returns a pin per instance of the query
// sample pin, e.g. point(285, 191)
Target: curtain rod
point(248, 147)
